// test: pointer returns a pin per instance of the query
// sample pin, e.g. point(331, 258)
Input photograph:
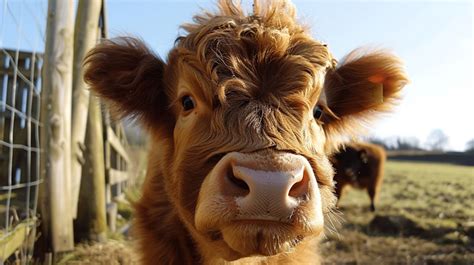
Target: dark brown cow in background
point(361, 166)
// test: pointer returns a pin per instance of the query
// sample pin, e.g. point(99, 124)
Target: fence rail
point(116, 166)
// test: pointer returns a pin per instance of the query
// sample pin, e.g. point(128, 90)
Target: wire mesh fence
point(22, 27)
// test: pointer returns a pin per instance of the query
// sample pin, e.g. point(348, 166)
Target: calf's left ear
point(362, 85)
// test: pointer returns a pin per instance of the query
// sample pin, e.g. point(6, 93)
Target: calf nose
point(267, 188)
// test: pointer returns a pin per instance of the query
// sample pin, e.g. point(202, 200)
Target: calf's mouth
point(260, 203)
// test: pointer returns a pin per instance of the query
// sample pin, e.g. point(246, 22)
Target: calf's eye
point(187, 102)
point(317, 113)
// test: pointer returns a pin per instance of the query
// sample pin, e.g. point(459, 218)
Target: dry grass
point(110, 253)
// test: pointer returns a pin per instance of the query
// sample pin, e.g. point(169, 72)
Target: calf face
point(242, 117)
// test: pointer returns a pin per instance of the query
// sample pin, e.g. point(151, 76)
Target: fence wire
point(22, 31)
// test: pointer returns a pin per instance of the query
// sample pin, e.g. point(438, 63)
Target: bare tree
point(397, 143)
point(437, 140)
point(470, 146)
point(408, 143)
point(379, 141)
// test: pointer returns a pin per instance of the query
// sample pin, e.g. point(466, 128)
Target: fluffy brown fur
point(255, 80)
point(360, 165)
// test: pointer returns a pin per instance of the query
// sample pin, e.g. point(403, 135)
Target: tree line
point(437, 141)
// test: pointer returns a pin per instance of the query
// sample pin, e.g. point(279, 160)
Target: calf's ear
point(363, 85)
point(129, 76)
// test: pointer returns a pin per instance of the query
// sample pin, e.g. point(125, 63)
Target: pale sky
point(434, 38)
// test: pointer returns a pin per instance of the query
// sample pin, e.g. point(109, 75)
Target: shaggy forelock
point(265, 55)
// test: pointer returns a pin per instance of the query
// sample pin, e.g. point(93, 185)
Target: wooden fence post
point(91, 222)
point(85, 36)
point(55, 202)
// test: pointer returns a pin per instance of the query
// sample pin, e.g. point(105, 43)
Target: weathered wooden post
point(85, 36)
point(91, 222)
point(55, 203)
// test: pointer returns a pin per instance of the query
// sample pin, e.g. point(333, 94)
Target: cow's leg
point(372, 194)
point(339, 190)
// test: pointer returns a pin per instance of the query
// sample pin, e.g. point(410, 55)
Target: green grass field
point(425, 215)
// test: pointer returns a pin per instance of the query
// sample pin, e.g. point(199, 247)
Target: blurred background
point(69, 173)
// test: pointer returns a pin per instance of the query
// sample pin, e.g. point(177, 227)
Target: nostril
point(300, 189)
point(237, 181)
point(215, 158)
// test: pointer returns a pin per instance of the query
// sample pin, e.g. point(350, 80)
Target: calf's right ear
point(129, 76)
point(365, 84)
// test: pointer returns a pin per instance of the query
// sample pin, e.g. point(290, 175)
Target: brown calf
point(361, 166)
point(243, 116)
